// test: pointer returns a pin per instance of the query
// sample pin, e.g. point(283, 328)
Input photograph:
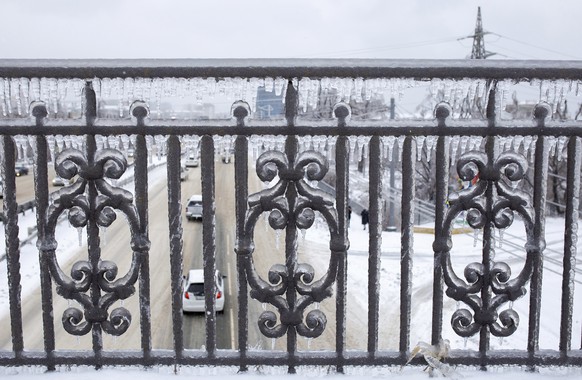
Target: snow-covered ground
point(166, 373)
point(466, 249)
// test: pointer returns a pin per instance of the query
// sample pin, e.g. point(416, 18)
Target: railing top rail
point(280, 67)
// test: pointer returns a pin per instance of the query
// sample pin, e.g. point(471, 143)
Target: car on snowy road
point(193, 299)
point(20, 170)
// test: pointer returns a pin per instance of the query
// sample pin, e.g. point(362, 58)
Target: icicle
point(303, 233)
point(264, 306)
point(454, 147)
point(400, 145)
point(316, 305)
point(273, 341)
point(465, 340)
point(103, 235)
point(266, 216)
point(353, 140)
point(501, 341)
point(458, 305)
point(309, 340)
point(388, 147)
point(501, 231)
point(419, 145)
point(475, 237)
point(430, 142)
point(560, 147)
point(552, 145)
point(16, 91)
point(510, 305)
point(80, 234)
point(277, 239)
point(78, 340)
point(5, 98)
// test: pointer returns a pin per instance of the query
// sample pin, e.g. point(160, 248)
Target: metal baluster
point(570, 242)
point(176, 242)
point(538, 243)
point(375, 244)
point(141, 203)
point(39, 111)
point(93, 239)
point(488, 248)
point(342, 189)
point(242, 192)
point(407, 246)
point(208, 238)
point(291, 101)
point(441, 236)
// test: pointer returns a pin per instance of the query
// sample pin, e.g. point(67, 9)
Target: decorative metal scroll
point(489, 203)
point(91, 202)
point(292, 204)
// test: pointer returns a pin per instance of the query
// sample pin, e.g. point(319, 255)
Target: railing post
point(208, 239)
point(441, 235)
point(407, 250)
point(539, 243)
point(291, 101)
point(342, 158)
point(570, 242)
point(176, 242)
point(241, 173)
point(375, 244)
point(141, 203)
point(39, 112)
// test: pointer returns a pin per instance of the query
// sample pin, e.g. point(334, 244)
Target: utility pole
point(478, 51)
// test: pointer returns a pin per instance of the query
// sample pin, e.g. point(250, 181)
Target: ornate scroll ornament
point(491, 202)
point(291, 204)
point(91, 202)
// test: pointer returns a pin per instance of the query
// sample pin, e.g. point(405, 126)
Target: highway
point(115, 247)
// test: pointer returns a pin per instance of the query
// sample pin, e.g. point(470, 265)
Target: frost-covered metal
point(51, 109)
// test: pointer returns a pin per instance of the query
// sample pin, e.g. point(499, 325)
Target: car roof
point(196, 275)
point(195, 198)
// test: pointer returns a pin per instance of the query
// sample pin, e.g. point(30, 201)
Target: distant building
point(269, 104)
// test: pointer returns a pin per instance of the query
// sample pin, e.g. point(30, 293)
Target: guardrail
point(292, 290)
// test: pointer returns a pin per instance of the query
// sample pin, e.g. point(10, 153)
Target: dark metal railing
point(291, 290)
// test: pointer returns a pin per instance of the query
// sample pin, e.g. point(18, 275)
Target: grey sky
point(526, 29)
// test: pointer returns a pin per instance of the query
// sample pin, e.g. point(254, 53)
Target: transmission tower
point(479, 51)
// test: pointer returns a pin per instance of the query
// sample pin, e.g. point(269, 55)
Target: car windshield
point(194, 203)
point(196, 288)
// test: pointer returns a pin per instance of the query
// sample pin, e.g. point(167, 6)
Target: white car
point(191, 162)
point(194, 207)
point(193, 297)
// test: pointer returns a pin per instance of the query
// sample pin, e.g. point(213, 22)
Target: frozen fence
point(85, 117)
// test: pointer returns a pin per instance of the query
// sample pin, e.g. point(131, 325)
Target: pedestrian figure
point(349, 214)
point(365, 217)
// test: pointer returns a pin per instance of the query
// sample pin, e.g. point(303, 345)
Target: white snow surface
point(464, 250)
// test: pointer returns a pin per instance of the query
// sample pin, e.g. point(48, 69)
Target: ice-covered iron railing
point(291, 204)
point(489, 204)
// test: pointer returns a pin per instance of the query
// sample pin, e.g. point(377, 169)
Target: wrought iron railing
point(91, 153)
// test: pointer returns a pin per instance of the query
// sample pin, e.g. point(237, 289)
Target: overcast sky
point(520, 29)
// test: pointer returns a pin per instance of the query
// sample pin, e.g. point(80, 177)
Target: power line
point(400, 46)
point(535, 46)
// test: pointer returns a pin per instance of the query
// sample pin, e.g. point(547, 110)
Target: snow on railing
point(86, 119)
